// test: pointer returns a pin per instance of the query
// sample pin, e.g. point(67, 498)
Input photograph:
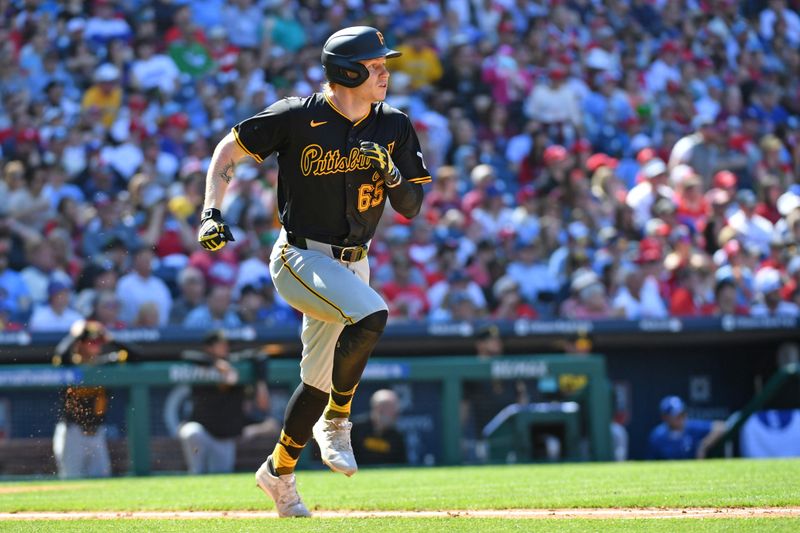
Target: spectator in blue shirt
point(14, 296)
point(216, 313)
point(679, 437)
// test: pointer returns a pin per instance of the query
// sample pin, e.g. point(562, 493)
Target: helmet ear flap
point(344, 71)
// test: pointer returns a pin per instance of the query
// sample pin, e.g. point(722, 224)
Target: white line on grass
point(610, 513)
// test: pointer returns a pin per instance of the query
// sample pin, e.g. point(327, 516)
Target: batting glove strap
point(381, 160)
point(212, 213)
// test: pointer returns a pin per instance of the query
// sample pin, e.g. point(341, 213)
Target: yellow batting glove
point(214, 233)
point(381, 161)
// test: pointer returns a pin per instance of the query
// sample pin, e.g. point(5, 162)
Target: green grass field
point(715, 484)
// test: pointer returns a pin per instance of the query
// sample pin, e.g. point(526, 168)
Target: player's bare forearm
point(406, 198)
point(718, 429)
point(220, 170)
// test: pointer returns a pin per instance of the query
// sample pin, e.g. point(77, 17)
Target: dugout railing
point(449, 372)
point(785, 375)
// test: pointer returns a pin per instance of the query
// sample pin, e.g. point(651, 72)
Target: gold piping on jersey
point(330, 103)
point(420, 180)
point(248, 152)
point(359, 121)
point(304, 284)
point(318, 162)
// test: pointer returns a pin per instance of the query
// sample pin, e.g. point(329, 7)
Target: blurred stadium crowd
point(621, 159)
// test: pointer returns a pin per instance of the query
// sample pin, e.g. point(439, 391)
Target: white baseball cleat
point(283, 491)
point(333, 437)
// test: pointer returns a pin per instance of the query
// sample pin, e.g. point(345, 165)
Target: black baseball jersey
point(84, 406)
point(218, 407)
point(327, 190)
point(373, 448)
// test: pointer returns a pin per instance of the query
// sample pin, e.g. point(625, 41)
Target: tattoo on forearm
point(225, 174)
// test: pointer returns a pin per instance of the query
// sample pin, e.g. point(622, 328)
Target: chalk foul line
point(593, 513)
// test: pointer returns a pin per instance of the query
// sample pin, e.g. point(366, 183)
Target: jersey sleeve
point(654, 445)
point(266, 132)
point(408, 156)
point(698, 428)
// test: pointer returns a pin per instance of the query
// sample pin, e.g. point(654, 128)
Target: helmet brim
point(388, 53)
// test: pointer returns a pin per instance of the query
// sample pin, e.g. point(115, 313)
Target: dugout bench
point(510, 434)
point(449, 372)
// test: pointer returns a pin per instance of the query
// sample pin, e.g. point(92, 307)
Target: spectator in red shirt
point(184, 27)
point(727, 181)
point(532, 164)
point(689, 296)
point(778, 255)
point(224, 54)
point(482, 177)
point(666, 210)
point(406, 300)
point(692, 207)
point(650, 260)
point(6, 322)
point(725, 297)
point(718, 200)
point(771, 163)
point(553, 175)
point(510, 303)
point(444, 194)
point(589, 299)
point(769, 193)
point(789, 291)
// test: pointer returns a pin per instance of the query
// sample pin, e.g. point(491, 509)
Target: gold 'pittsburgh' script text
point(315, 161)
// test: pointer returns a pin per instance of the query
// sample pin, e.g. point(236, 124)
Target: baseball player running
point(341, 153)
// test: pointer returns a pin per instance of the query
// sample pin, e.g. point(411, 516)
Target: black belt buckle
point(351, 254)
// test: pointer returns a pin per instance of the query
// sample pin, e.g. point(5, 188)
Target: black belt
point(348, 254)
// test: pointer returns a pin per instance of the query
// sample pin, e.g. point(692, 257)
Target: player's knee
point(313, 391)
point(190, 431)
point(375, 322)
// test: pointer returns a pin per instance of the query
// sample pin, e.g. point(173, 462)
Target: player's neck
point(350, 103)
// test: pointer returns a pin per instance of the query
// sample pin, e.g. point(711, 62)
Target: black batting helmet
point(344, 49)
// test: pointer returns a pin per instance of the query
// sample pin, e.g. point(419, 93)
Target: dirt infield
point(38, 488)
point(610, 513)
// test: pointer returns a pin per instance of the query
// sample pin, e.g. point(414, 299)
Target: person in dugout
point(218, 415)
point(80, 445)
point(375, 436)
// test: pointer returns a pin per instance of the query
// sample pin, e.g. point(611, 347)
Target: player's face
point(676, 422)
point(90, 349)
point(374, 89)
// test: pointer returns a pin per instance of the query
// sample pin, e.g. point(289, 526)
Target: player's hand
point(262, 396)
point(214, 233)
point(229, 374)
point(381, 161)
point(77, 328)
